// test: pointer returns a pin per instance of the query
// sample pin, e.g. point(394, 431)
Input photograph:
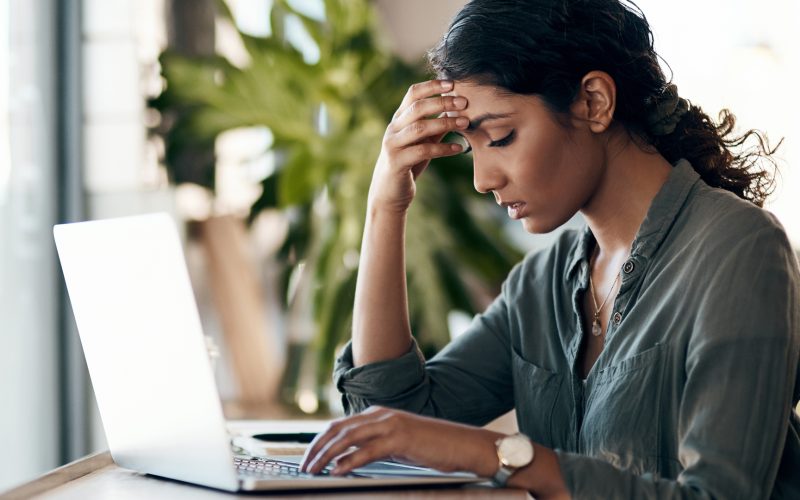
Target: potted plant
point(328, 117)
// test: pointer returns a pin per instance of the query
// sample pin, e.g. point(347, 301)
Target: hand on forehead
point(481, 100)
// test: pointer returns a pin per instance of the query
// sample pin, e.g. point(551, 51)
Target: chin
point(536, 225)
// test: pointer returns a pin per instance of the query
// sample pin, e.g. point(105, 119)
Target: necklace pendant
point(597, 330)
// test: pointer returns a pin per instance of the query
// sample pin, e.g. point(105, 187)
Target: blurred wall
point(413, 26)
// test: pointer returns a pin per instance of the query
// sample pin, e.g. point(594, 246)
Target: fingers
point(425, 151)
point(431, 106)
point(424, 89)
point(335, 427)
point(368, 431)
point(421, 130)
point(355, 435)
point(412, 124)
point(413, 139)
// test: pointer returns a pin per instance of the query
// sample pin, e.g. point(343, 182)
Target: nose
point(486, 177)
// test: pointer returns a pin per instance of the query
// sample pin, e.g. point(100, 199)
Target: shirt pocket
point(622, 422)
point(536, 391)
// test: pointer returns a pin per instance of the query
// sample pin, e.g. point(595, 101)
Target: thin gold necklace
point(597, 328)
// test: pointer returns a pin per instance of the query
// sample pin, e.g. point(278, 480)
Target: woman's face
point(542, 172)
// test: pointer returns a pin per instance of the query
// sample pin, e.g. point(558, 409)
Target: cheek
point(546, 156)
point(559, 179)
point(574, 157)
point(544, 137)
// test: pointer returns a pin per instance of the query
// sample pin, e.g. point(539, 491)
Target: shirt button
point(628, 267)
point(617, 318)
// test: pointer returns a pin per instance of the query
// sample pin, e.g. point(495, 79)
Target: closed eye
point(505, 141)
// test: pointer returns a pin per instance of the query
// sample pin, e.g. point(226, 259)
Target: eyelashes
point(505, 141)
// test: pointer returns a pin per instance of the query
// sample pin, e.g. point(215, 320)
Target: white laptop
point(147, 359)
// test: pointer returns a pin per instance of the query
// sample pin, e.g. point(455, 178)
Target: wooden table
point(96, 476)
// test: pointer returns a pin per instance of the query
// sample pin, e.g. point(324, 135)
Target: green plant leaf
point(328, 121)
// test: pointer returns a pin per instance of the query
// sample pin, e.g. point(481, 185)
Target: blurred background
point(255, 124)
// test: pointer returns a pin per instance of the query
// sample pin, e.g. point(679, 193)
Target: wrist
point(486, 463)
point(377, 208)
point(542, 477)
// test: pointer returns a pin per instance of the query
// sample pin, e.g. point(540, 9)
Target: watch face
point(515, 451)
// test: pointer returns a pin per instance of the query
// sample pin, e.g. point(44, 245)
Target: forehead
point(483, 99)
point(479, 94)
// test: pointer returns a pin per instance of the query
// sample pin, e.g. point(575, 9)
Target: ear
point(596, 101)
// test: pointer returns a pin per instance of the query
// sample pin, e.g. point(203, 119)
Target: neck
point(630, 180)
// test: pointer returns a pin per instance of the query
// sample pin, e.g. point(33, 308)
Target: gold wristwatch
point(514, 452)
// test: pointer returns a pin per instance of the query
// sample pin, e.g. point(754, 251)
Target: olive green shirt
point(693, 393)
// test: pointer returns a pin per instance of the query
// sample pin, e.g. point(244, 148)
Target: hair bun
point(667, 110)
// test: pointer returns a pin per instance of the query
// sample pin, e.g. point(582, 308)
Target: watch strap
point(500, 477)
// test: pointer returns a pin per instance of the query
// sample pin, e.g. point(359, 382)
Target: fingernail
point(447, 84)
point(461, 121)
point(456, 147)
point(459, 102)
point(337, 471)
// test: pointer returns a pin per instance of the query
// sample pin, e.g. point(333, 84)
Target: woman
point(653, 354)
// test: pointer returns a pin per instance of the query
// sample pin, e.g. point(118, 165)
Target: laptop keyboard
point(269, 468)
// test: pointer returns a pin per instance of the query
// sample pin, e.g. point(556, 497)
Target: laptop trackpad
point(385, 468)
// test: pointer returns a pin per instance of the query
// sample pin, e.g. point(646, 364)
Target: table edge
point(60, 476)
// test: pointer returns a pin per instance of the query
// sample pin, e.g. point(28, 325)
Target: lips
point(516, 209)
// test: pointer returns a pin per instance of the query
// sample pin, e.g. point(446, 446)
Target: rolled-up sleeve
point(469, 381)
point(393, 382)
point(738, 399)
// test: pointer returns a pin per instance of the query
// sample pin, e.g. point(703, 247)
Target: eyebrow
point(476, 123)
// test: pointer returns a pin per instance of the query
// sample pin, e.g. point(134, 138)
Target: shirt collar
point(580, 252)
point(664, 209)
point(660, 217)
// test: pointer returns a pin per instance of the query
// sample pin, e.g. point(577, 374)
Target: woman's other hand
point(412, 139)
point(381, 433)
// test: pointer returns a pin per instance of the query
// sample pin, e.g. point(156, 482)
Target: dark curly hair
point(545, 47)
